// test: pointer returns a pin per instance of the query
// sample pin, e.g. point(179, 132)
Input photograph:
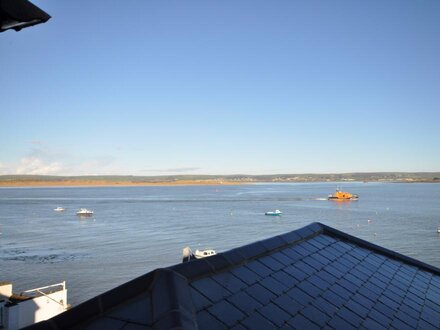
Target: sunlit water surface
point(137, 229)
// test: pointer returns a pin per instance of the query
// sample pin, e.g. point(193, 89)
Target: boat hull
point(342, 199)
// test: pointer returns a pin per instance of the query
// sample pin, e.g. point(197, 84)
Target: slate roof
point(312, 278)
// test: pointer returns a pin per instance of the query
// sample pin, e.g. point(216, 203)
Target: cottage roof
point(311, 278)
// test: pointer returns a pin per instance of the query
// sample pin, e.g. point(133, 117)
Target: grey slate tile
point(339, 323)
point(274, 314)
point(335, 270)
point(364, 301)
point(430, 316)
point(207, 321)
point(347, 285)
point(300, 296)
point(399, 325)
point(314, 263)
point(245, 275)
point(138, 310)
point(366, 293)
point(301, 250)
point(409, 311)
point(379, 281)
point(238, 327)
point(370, 324)
point(304, 268)
point(412, 304)
point(325, 306)
point(316, 315)
point(229, 281)
point(258, 268)
point(341, 291)
point(273, 285)
point(258, 322)
point(388, 302)
point(309, 247)
point(426, 326)
point(333, 299)
point(397, 291)
point(322, 259)
point(301, 322)
point(379, 317)
point(282, 258)
point(285, 279)
point(210, 289)
point(309, 288)
point(361, 276)
point(226, 312)
point(291, 254)
point(244, 302)
point(319, 282)
point(288, 304)
point(357, 308)
point(408, 319)
point(350, 317)
point(272, 263)
point(261, 294)
point(416, 299)
point(329, 253)
point(199, 300)
point(392, 296)
point(327, 277)
point(295, 272)
point(385, 309)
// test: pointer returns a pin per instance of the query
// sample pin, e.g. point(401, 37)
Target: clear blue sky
point(221, 87)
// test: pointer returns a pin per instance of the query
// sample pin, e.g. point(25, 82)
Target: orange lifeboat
point(340, 195)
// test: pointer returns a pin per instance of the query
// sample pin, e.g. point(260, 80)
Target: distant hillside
point(239, 178)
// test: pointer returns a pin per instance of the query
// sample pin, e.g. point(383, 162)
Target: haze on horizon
point(231, 87)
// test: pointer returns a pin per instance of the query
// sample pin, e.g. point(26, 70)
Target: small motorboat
point(84, 212)
point(438, 230)
point(59, 209)
point(189, 255)
point(340, 195)
point(276, 212)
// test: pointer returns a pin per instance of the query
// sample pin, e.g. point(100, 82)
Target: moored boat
point(84, 212)
point(276, 212)
point(59, 209)
point(340, 195)
point(189, 255)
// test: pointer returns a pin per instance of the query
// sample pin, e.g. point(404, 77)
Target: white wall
point(35, 310)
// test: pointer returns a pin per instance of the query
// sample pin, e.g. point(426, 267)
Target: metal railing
point(39, 290)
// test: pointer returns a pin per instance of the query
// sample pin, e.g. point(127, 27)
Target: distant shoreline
point(93, 183)
point(108, 183)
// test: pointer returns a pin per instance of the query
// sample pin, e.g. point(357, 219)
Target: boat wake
point(49, 256)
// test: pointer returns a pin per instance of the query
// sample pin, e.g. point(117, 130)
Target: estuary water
point(137, 229)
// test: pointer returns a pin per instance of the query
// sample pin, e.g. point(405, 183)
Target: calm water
point(137, 229)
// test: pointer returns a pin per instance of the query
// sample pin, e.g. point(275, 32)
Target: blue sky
point(222, 87)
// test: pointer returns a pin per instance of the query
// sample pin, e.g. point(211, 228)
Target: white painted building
point(30, 306)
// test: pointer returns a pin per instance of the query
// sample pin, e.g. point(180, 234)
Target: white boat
point(83, 211)
point(189, 255)
point(199, 254)
point(59, 209)
point(276, 212)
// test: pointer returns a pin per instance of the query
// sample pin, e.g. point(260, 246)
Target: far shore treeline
point(104, 180)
